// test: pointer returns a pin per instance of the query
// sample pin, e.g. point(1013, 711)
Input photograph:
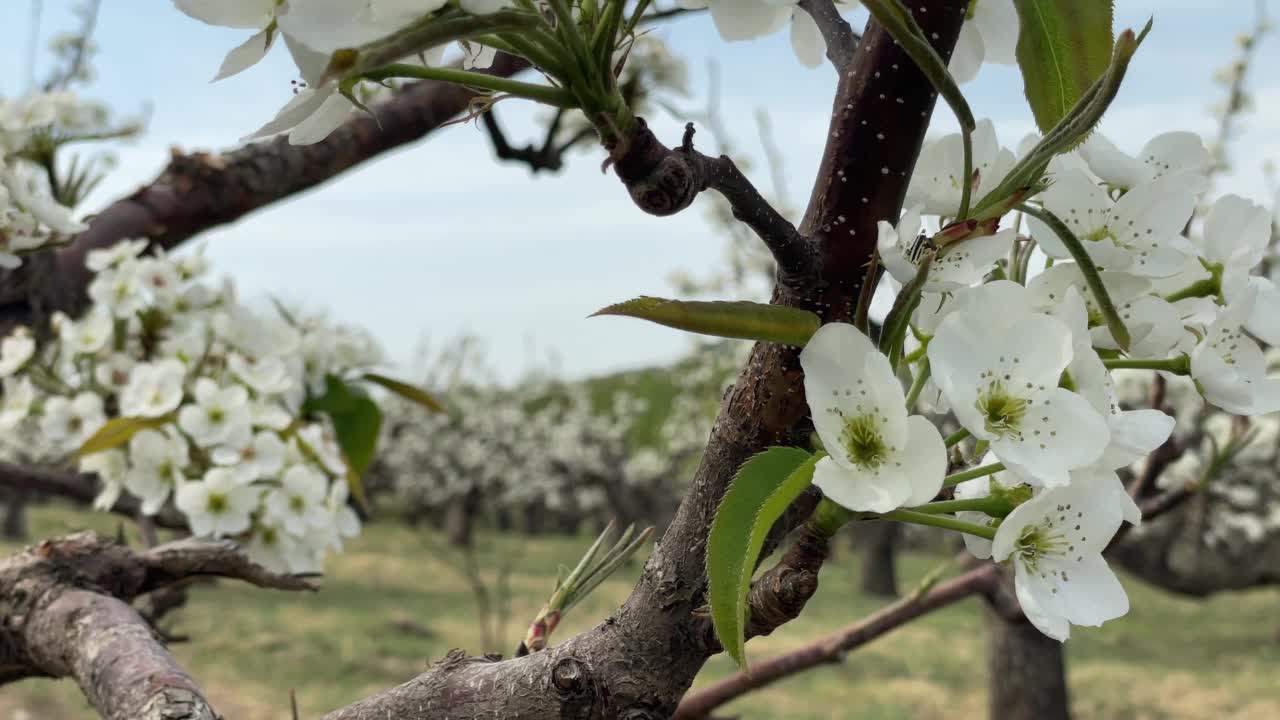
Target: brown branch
point(832, 648)
point(82, 488)
point(794, 255)
point(199, 191)
point(66, 606)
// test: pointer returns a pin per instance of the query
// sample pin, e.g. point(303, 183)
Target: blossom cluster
point(1023, 358)
point(553, 449)
point(30, 217)
point(207, 399)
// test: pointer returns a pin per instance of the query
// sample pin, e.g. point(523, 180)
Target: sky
point(438, 239)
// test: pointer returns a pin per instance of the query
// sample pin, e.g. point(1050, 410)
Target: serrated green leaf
point(761, 491)
point(1063, 47)
point(116, 432)
point(409, 392)
point(730, 319)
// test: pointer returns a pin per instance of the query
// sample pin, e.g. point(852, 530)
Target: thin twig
point(832, 648)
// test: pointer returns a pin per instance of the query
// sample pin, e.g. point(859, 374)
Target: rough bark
point(66, 608)
point(879, 559)
point(640, 661)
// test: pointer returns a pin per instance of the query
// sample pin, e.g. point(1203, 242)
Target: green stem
point(515, 44)
point(1208, 287)
point(957, 436)
point(428, 32)
point(917, 384)
point(982, 505)
point(1092, 277)
point(542, 93)
point(972, 474)
point(829, 517)
point(942, 521)
point(1180, 365)
point(966, 180)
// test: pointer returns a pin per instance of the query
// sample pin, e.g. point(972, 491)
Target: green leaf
point(406, 391)
point(356, 422)
point(116, 432)
point(761, 491)
point(1063, 47)
point(737, 319)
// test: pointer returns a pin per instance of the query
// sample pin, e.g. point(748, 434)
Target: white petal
point(1264, 320)
point(303, 104)
point(1236, 232)
point(1041, 606)
point(1149, 220)
point(1177, 151)
point(1134, 435)
point(328, 117)
point(998, 23)
point(1092, 594)
point(806, 40)
point(1109, 163)
point(747, 19)
point(854, 490)
point(967, 57)
point(253, 14)
point(246, 54)
point(924, 460)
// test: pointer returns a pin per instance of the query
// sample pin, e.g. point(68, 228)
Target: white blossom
point(998, 367)
point(1055, 543)
point(157, 460)
point(68, 422)
point(219, 505)
point(154, 389)
point(1141, 233)
point(1229, 367)
point(879, 457)
point(299, 503)
point(219, 414)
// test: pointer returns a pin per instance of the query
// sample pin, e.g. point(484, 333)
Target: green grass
point(1170, 658)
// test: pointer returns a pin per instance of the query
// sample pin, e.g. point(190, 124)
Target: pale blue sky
point(438, 239)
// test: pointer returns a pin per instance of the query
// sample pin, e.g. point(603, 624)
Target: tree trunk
point(1027, 672)
point(459, 520)
point(14, 525)
point(879, 567)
